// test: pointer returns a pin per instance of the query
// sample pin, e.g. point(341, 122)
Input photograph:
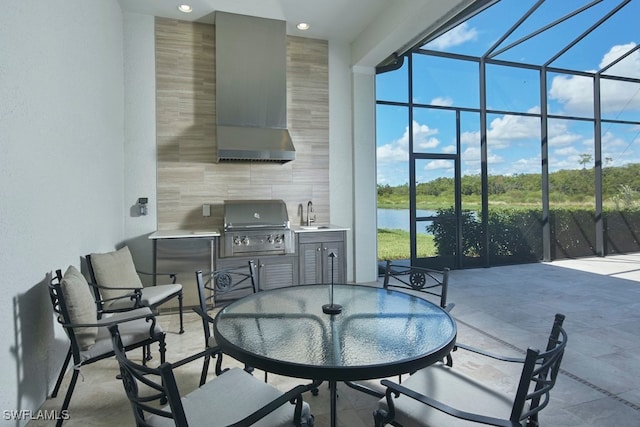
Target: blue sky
point(514, 141)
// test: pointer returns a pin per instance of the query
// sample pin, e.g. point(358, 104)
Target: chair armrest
point(202, 314)
point(397, 390)
point(209, 351)
point(172, 276)
point(293, 395)
point(136, 295)
point(488, 353)
point(119, 288)
point(148, 316)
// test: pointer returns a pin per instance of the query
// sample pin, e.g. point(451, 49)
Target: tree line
point(620, 185)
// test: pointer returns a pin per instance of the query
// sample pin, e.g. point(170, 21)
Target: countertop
point(182, 234)
point(315, 228)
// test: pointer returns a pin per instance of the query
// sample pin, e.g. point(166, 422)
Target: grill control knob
point(279, 239)
point(236, 240)
point(270, 239)
point(245, 241)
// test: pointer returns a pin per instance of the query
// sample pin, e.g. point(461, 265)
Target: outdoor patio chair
point(114, 274)
point(214, 288)
point(90, 341)
point(441, 396)
point(235, 398)
point(433, 283)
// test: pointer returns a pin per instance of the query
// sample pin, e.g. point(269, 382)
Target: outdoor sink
point(313, 227)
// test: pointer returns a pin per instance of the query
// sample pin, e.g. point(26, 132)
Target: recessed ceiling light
point(303, 26)
point(185, 8)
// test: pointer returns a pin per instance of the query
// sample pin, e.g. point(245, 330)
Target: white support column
point(364, 175)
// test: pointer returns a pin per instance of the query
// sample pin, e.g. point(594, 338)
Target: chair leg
point(162, 344)
point(180, 308)
point(67, 398)
point(378, 418)
point(219, 369)
point(449, 360)
point(205, 370)
point(63, 370)
point(146, 354)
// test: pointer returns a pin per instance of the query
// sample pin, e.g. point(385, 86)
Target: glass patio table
point(379, 333)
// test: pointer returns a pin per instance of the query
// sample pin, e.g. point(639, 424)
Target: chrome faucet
point(309, 210)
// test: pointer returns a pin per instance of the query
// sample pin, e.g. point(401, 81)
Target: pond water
point(399, 218)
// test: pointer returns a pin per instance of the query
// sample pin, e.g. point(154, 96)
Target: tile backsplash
point(187, 175)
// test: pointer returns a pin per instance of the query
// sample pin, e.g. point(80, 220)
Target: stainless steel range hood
point(251, 89)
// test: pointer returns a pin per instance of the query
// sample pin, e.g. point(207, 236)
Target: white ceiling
point(339, 20)
point(373, 29)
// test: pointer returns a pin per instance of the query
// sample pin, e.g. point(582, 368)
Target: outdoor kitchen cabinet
point(314, 262)
point(273, 271)
point(184, 256)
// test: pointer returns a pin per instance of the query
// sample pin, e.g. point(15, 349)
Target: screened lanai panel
point(620, 187)
point(436, 228)
point(470, 159)
point(572, 188)
point(514, 189)
point(620, 147)
point(392, 132)
point(620, 100)
point(434, 130)
point(571, 147)
point(445, 81)
point(513, 147)
point(570, 95)
point(470, 190)
point(513, 89)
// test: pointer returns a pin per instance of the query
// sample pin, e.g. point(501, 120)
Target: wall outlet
point(206, 209)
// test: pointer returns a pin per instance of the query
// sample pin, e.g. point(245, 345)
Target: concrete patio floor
point(503, 309)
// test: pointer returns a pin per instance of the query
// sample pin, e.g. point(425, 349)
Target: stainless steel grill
point(256, 227)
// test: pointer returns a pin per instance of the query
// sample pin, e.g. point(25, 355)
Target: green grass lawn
point(394, 244)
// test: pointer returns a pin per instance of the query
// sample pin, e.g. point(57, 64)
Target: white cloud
point(438, 164)
point(611, 140)
point(566, 151)
point(502, 131)
point(442, 101)
point(509, 128)
point(398, 150)
point(559, 135)
point(628, 67)
point(563, 140)
point(575, 93)
point(454, 37)
point(526, 165)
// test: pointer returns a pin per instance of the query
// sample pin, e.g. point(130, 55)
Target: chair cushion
point(230, 397)
point(453, 388)
point(151, 296)
point(115, 269)
point(80, 305)
point(130, 332)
